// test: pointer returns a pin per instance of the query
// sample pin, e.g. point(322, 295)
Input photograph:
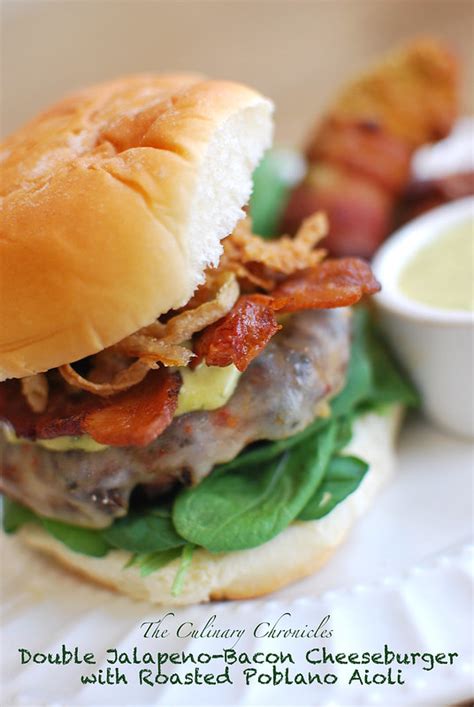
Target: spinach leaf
point(186, 558)
point(84, 540)
point(15, 515)
point(235, 510)
point(266, 451)
point(271, 189)
point(388, 384)
point(153, 561)
point(359, 373)
point(146, 531)
point(342, 477)
point(344, 432)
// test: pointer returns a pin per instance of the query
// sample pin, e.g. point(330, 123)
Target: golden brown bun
point(114, 202)
point(297, 552)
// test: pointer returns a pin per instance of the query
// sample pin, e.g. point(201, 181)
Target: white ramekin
point(435, 345)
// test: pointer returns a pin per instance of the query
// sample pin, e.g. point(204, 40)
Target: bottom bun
point(297, 552)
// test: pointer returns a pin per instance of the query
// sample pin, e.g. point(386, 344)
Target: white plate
point(404, 578)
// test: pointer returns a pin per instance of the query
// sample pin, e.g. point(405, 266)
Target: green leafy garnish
point(148, 531)
point(373, 377)
point(388, 385)
point(342, 477)
point(272, 183)
point(15, 515)
point(84, 540)
point(186, 558)
point(153, 561)
point(234, 510)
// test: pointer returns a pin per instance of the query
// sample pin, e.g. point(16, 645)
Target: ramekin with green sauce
point(427, 309)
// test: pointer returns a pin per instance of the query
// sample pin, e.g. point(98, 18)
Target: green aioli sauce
point(66, 443)
point(204, 388)
point(441, 274)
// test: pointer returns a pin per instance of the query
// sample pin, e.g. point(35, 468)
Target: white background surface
point(297, 53)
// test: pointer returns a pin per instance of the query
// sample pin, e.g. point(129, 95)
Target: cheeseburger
point(188, 412)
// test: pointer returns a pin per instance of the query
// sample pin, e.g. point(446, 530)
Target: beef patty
point(279, 394)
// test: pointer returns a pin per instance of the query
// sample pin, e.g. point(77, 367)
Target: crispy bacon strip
point(139, 415)
point(132, 417)
point(62, 415)
point(240, 335)
point(335, 283)
point(246, 330)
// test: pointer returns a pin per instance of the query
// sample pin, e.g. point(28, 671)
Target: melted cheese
point(206, 388)
point(57, 444)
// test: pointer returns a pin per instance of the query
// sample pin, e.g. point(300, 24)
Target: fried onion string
point(160, 343)
point(35, 389)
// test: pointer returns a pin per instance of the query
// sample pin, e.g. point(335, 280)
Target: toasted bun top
point(114, 201)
